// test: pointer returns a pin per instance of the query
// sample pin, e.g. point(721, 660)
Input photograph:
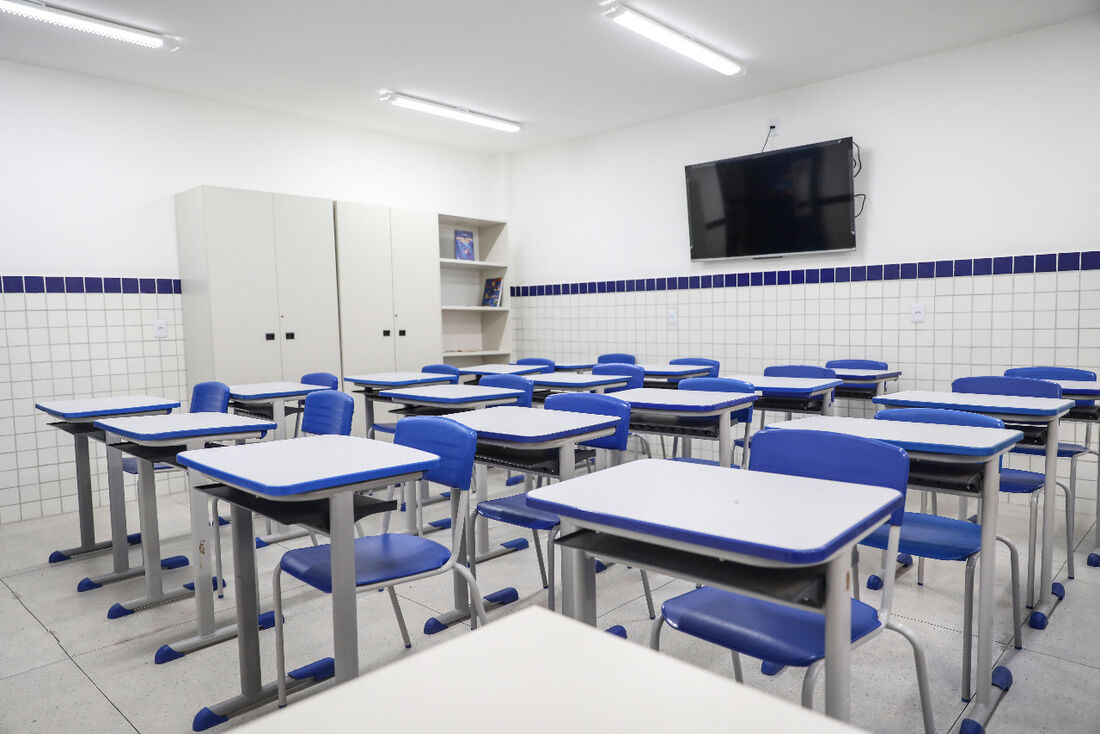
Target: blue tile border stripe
point(95, 284)
point(1043, 263)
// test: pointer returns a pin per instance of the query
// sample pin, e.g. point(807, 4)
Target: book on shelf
point(491, 296)
point(464, 245)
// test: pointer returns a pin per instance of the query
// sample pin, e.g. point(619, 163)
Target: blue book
point(491, 296)
point(464, 245)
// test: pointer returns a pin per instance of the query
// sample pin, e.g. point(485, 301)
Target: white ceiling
point(556, 66)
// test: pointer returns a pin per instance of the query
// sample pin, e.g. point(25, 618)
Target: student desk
point(452, 398)
point(516, 429)
point(275, 394)
point(573, 366)
point(801, 530)
point(954, 444)
point(481, 370)
point(1014, 410)
point(535, 658)
point(374, 383)
point(156, 438)
point(861, 378)
point(576, 382)
point(76, 418)
point(791, 394)
point(667, 375)
point(668, 407)
point(329, 468)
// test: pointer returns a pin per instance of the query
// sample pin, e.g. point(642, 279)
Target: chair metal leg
point(922, 673)
point(738, 675)
point(1017, 611)
point(538, 554)
point(280, 652)
point(550, 535)
point(855, 572)
point(478, 610)
point(648, 595)
point(809, 681)
point(1032, 529)
point(655, 632)
point(400, 617)
point(1071, 500)
point(968, 626)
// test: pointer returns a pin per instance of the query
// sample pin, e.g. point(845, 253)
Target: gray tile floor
point(64, 666)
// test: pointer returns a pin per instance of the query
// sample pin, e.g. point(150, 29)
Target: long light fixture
point(87, 24)
point(451, 113)
point(643, 25)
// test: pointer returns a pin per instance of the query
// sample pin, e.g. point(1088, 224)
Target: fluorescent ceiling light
point(443, 110)
point(87, 24)
point(643, 25)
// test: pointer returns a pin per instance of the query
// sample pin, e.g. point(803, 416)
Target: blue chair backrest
point(1055, 373)
point(798, 370)
point(547, 363)
point(593, 403)
point(942, 416)
point(835, 456)
point(618, 357)
point(210, 397)
point(511, 382)
point(635, 372)
point(856, 364)
point(324, 379)
point(452, 442)
point(442, 369)
point(720, 384)
point(712, 363)
point(328, 412)
point(1018, 386)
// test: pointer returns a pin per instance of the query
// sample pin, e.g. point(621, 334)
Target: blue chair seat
point(1018, 481)
point(1065, 450)
point(130, 465)
point(515, 511)
point(706, 462)
point(761, 629)
point(378, 558)
point(385, 427)
point(932, 536)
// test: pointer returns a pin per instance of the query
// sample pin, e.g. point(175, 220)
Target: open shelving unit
point(474, 333)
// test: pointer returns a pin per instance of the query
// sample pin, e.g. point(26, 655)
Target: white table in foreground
point(776, 521)
point(314, 467)
point(534, 659)
point(76, 418)
point(1019, 410)
point(275, 394)
point(374, 383)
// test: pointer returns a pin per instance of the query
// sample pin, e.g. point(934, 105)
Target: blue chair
point(1037, 388)
point(948, 539)
point(715, 384)
point(513, 510)
point(442, 369)
point(321, 379)
point(547, 363)
point(389, 427)
point(618, 357)
point(788, 635)
point(702, 362)
point(206, 397)
point(384, 560)
point(512, 382)
point(636, 373)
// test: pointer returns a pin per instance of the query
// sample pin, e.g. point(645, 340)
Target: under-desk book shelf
point(472, 331)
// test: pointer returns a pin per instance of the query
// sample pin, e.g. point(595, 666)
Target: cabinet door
point(414, 237)
point(365, 287)
point(244, 308)
point(305, 259)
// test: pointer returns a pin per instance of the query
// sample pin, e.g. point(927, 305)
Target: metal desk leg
point(278, 414)
point(368, 412)
point(119, 543)
point(725, 440)
point(344, 627)
point(838, 637)
point(481, 524)
point(1049, 593)
point(1094, 556)
point(84, 507)
point(578, 569)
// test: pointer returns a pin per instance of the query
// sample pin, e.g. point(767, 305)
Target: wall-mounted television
point(783, 202)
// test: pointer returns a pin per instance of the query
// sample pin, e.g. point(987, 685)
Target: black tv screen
point(794, 200)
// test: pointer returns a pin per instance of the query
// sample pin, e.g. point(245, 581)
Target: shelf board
point(497, 309)
point(452, 262)
point(482, 353)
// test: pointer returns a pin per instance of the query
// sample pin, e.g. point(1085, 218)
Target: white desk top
point(845, 373)
point(1078, 388)
point(531, 425)
point(675, 370)
point(922, 437)
point(977, 402)
point(269, 390)
point(577, 379)
point(88, 409)
point(306, 464)
point(748, 514)
point(802, 385)
point(543, 669)
point(399, 379)
point(502, 369)
point(683, 401)
point(181, 425)
point(450, 394)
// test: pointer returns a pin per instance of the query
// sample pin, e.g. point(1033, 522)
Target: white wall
point(987, 150)
point(90, 168)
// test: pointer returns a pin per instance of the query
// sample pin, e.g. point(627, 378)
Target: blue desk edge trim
point(209, 431)
point(120, 411)
point(304, 487)
point(887, 400)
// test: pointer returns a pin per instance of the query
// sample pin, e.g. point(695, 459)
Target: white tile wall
point(71, 345)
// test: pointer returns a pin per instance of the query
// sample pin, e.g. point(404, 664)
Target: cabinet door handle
point(401, 332)
point(290, 335)
point(270, 336)
point(385, 332)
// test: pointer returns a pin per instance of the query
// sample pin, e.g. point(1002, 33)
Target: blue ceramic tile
point(112, 285)
point(582, 287)
point(926, 270)
point(630, 286)
point(93, 285)
point(1002, 265)
point(1046, 263)
point(55, 284)
point(522, 291)
point(798, 277)
point(944, 268)
point(74, 284)
point(147, 285)
point(660, 284)
point(650, 284)
point(34, 284)
point(1069, 261)
point(983, 266)
point(620, 286)
point(828, 275)
point(693, 281)
point(784, 277)
point(601, 286)
point(891, 272)
point(557, 289)
point(164, 285)
point(1090, 260)
point(682, 282)
point(177, 286)
point(705, 281)
point(129, 285)
point(731, 280)
point(908, 271)
point(874, 272)
point(813, 275)
point(574, 288)
point(1023, 264)
point(743, 280)
point(859, 273)
point(842, 275)
point(964, 267)
point(769, 277)
point(12, 283)
point(756, 278)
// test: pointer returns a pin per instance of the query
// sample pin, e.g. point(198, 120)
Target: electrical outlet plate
point(672, 318)
point(160, 328)
point(916, 313)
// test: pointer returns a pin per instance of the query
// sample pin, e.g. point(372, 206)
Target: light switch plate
point(672, 318)
point(916, 313)
point(160, 328)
